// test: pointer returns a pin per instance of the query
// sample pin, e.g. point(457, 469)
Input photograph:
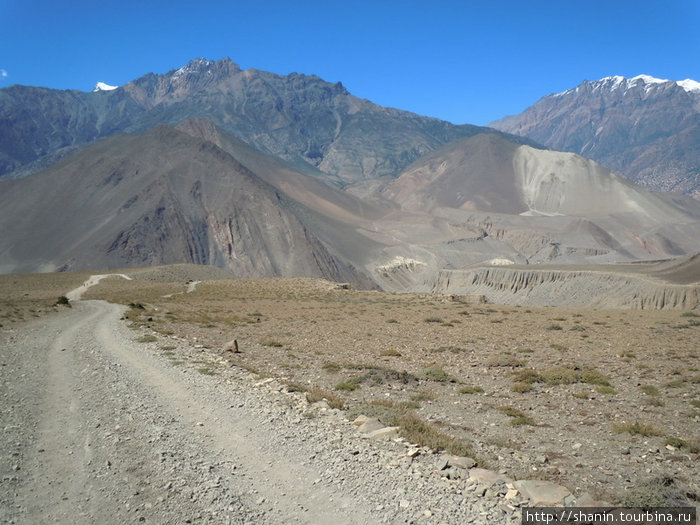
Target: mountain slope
point(489, 199)
point(644, 128)
point(318, 127)
point(157, 198)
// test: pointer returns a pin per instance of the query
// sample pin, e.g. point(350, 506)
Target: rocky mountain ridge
point(645, 128)
point(317, 126)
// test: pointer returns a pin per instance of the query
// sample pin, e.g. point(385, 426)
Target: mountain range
point(645, 128)
point(290, 175)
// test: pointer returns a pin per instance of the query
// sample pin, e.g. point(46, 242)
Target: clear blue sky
point(462, 61)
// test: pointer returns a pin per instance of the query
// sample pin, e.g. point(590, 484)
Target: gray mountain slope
point(647, 131)
point(158, 198)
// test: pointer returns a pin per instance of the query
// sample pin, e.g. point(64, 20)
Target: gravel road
point(100, 428)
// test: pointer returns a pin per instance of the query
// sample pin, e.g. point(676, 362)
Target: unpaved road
point(99, 428)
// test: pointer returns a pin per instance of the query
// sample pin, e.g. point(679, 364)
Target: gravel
point(103, 428)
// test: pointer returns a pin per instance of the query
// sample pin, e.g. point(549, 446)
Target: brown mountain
point(157, 198)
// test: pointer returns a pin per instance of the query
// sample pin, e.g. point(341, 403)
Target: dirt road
point(100, 428)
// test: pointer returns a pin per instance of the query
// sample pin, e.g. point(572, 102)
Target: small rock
point(461, 462)
point(487, 477)
point(413, 452)
point(670, 447)
point(404, 504)
point(360, 420)
point(384, 433)
point(512, 493)
point(576, 446)
point(370, 425)
point(542, 492)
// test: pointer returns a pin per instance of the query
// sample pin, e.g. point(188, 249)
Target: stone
point(413, 452)
point(461, 462)
point(232, 346)
point(576, 446)
point(359, 420)
point(512, 493)
point(370, 425)
point(487, 477)
point(384, 433)
point(542, 493)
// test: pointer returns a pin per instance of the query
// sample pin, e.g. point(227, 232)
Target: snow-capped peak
point(101, 86)
point(194, 66)
point(691, 86)
point(615, 82)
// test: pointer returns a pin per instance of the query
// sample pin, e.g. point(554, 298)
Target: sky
point(468, 62)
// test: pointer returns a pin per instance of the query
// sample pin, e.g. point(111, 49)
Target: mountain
point(645, 128)
point(493, 201)
point(317, 126)
point(267, 174)
point(156, 198)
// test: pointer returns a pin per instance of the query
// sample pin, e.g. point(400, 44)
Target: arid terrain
point(603, 402)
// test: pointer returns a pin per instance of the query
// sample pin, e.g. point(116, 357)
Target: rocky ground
point(172, 421)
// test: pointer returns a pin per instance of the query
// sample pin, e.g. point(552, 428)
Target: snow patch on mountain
point(101, 86)
point(691, 86)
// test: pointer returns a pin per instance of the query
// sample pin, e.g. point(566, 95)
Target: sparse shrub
point(560, 348)
point(206, 371)
point(636, 428)
point(331, 367)
point(391, 353)
point(555, 327)
point(578, 328)
point(433, 320)
point(606, 390)
point(435, 373)
point(414, 429)
point(423, 396)
point(650, 390)
point(519, 417)
point(468, 389)
point(349, 385)
point(167, 348)
point(521, 388)
point(391, 321)
point(678, 383)
point(272, 343)
point(148, 338)
point(523, 420)
point(315, 394)
point(527, 375)
point(690, 314)
point(657, 492)
point(504, 361)
point(63, 301)
point(561, 375)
